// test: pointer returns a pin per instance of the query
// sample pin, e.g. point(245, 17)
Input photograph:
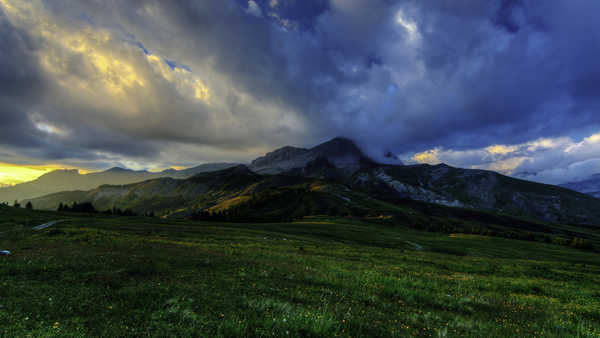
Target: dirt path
point(47, 225)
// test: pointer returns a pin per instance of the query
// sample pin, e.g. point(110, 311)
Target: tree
point(29, 205)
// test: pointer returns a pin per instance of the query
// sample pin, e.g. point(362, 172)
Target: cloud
point(152, 83)
point(546, 160)
point(254, 9)
point(112, 98)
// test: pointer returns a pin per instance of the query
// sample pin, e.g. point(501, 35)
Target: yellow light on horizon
point(11, 174)
point(178, 167)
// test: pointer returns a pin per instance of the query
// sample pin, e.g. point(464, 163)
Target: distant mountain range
point(590, 186)
point(336, 177)
point(70, 179)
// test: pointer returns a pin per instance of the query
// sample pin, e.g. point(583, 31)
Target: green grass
point(118, 276)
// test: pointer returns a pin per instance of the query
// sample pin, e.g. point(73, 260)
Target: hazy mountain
point(71, 179)
point(339, 171)
point(590, 186)
point(168, 196)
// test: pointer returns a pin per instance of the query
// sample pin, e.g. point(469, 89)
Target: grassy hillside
point(239, 195)
point(118, 276)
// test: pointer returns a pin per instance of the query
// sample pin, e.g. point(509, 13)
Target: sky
point(507, 85)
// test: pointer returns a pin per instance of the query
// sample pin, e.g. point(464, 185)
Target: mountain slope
point(215, 191)
point(590, 186)
point(481, 189)
point(66, 180)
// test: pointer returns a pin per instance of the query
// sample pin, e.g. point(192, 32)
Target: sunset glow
point(11, 174)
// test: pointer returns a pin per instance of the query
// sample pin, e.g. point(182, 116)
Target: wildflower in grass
point(55, 326)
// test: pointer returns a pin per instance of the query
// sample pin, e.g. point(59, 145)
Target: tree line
point(16, 204)
point(88, 208)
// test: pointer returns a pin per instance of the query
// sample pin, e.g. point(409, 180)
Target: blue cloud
point(398, 75)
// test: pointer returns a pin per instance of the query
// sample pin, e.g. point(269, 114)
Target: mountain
point(180, 197)
point(70, 179)
point(340, 160)
point(482, 190)
point(238, 194)
point(341, 152)
point(336, 175)
point(590, 186)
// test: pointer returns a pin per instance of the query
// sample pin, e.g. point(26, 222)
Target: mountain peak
point(338, 145)
point(60, 172)
point(116, 170)
point(341, 139)
point(341, 152)
point(282, 158)
point(286, 152)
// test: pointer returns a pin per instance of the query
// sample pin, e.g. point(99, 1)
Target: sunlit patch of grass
point(469, 236)
point(228, 203)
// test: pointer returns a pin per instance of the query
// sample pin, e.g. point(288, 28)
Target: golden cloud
point(429, 157)
point(186, 82)
point(111, 66)
point(501, 149)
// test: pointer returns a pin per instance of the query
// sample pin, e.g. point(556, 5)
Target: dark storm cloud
point(504, 15)
point(484, 82)
point(396, 75)
point(19, 80)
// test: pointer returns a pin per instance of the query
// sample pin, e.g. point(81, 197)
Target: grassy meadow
point(96, 275)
